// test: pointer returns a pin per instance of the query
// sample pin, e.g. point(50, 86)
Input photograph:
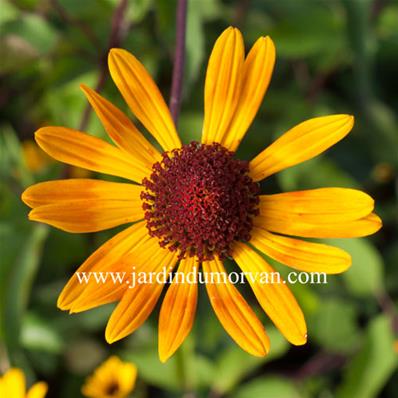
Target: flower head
point(13, 384)
point(196, 204)
point(112, 379)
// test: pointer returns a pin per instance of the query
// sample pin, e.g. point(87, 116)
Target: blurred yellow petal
point(121, 129)
point(13, 383)
point(257, 72)
point(38, 390)
point(274, 296)
point(223, 85)
point(234, 313)
point(138, 302)
point(82, 150)
point(302, 142)
point(112, 379)
point(102, 259)
point(143, 97)
point(299, 254)
point(178, 309)
point(322, 205)
point(344, 229)
point(35, 159)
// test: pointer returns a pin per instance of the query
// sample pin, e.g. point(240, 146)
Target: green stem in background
point(20, 271)
point(179, 60)
point(381, 137)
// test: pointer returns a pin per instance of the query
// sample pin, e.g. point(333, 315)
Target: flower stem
point(179, 60)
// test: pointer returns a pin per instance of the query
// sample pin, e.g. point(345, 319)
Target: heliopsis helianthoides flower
point(196, 204)
point(13, 385)
point(112, 379)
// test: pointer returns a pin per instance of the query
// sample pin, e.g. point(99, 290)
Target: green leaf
point(234, 364)
point(272, 387)
point(303, 176)
point(38, 334)
point(34, 30)
point(324, 330)
point(374, 364)
point(365, 277)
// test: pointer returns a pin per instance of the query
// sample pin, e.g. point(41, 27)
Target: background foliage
point(333, 56)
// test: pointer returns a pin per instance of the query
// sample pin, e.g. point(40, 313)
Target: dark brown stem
point(388, 307)
point(63, 13)
point(319, 364)
point(242, 8)
point(179, 60)
point(118, 29)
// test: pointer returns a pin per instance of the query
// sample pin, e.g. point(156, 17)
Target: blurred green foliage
point(333, 56)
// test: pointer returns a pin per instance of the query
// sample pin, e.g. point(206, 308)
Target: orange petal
point(178, 309)
point(299, 254)
point(223, 84)
point(138, 302)
point(302, 142)
point(50, 192)
point(84, 205)
point(119, 274)
point(143, 97)
point(257, 72)
point(234, 313)
point(102, 259)
point(324, 205)
point(345, 229)
point(121, 129)
point(274, 296)
point(82, 150)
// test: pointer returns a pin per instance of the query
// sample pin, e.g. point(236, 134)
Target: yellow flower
point(13, 385)
point(112, 379)
point(197, 204)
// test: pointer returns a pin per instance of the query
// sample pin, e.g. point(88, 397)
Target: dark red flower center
point(199, 200)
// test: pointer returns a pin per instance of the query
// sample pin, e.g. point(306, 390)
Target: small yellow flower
point(196, 204)
point(35, 159)
point(13, 385)
point(112, 379)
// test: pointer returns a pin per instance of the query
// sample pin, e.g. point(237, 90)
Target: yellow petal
point(322, 205)
point(302, 142)
point(223, 85)
point(234, 313)
point(345, 229)
point(67, 206)
point(13, 383)
point(102, 259)
point(138, 302)
point(299, 254)
point(257, 72)
point(274, 296)
point(143, 97)
point(178, 309)
point(82, 150)
point(121, 129)
point(38, 390)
